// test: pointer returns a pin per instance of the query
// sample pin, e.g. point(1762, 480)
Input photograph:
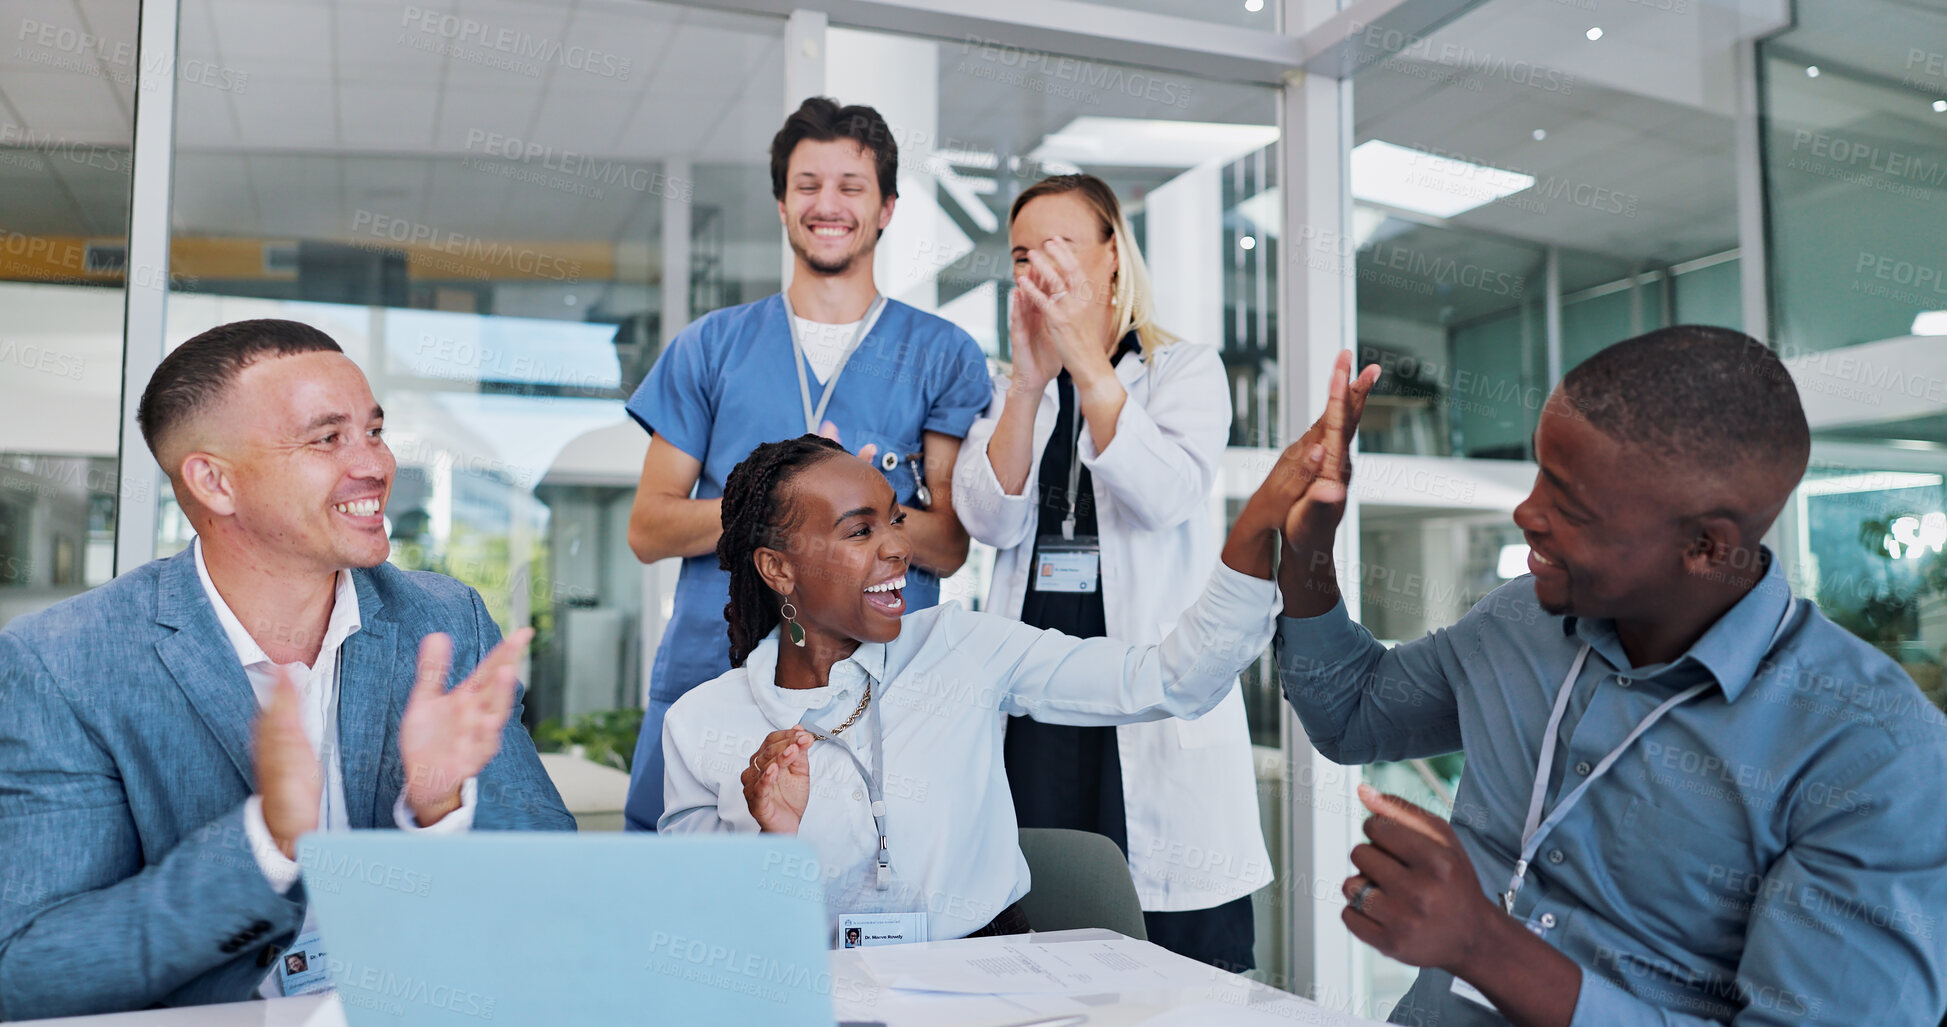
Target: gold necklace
point(849, 721)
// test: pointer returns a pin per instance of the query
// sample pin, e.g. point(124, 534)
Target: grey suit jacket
point(126, 878)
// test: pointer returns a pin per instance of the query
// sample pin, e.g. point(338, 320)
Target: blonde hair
point(1135, 304)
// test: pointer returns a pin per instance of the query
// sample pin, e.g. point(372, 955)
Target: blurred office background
point(504, 210)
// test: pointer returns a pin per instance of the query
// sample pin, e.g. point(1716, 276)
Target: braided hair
point(753, 518)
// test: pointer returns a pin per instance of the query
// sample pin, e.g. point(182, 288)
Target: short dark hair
point(1706, 396)
point(821, 119)
point(196, 373)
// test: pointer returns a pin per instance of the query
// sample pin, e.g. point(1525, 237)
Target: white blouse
point(945, 688)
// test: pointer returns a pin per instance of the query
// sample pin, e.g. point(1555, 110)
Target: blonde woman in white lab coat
point(1092, 474)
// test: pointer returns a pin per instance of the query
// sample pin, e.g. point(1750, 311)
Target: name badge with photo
point(1067, 565)
point(866, 930)
point(301, 969)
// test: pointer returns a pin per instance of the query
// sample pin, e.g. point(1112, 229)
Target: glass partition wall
point(505, 209)
point(1855, 156)
point(1192, 162)
point(502, 212)
point(1532, 182)
point(67, 128)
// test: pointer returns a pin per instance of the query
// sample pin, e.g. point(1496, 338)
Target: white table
point(593, 793)
point(1225, 998)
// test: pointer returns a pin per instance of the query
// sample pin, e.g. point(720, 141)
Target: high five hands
point(1303, 497)
point(1320, 503)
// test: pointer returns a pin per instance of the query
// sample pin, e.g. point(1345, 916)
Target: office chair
point(1080, 879)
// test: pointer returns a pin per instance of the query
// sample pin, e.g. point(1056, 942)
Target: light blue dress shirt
point(1772, 851)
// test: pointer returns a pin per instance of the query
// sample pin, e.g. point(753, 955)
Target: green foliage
point(607, 737)
point(1886, 619)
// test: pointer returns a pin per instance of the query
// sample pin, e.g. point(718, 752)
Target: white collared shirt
point(944, 688)
point(317, 688)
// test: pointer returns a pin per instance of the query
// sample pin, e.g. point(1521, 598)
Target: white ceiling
point(1637, 120)
point(343, 108)
point(322, 108)
point(1877, 39)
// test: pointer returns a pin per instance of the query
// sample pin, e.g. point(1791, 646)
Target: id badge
point(867, 930)
point(301, 969)
point(1065, 565)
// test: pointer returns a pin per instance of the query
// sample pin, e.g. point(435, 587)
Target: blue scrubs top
point(725, 385)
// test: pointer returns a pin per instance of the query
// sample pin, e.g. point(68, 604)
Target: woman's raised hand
point(777, 784)
point(1068, 305)
point(1035, 362)
point(1316, 509)
point(1303, 496)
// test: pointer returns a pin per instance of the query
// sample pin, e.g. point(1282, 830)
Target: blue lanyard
point(1536, 828)
point(814, 417)
point(875, 778)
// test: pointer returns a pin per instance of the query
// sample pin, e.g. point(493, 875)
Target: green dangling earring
point(791, 625)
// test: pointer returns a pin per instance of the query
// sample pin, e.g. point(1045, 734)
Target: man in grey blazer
point(167, 737)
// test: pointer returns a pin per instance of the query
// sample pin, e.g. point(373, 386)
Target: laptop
point(546, 928)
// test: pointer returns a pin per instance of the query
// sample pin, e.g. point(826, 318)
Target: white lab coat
point(1189, 787)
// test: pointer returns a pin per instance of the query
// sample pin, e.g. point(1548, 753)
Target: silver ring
point(1358, 900)
point(1057, 297)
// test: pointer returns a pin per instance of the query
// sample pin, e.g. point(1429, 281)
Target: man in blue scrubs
point(1690, 798)
point(898, 386)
